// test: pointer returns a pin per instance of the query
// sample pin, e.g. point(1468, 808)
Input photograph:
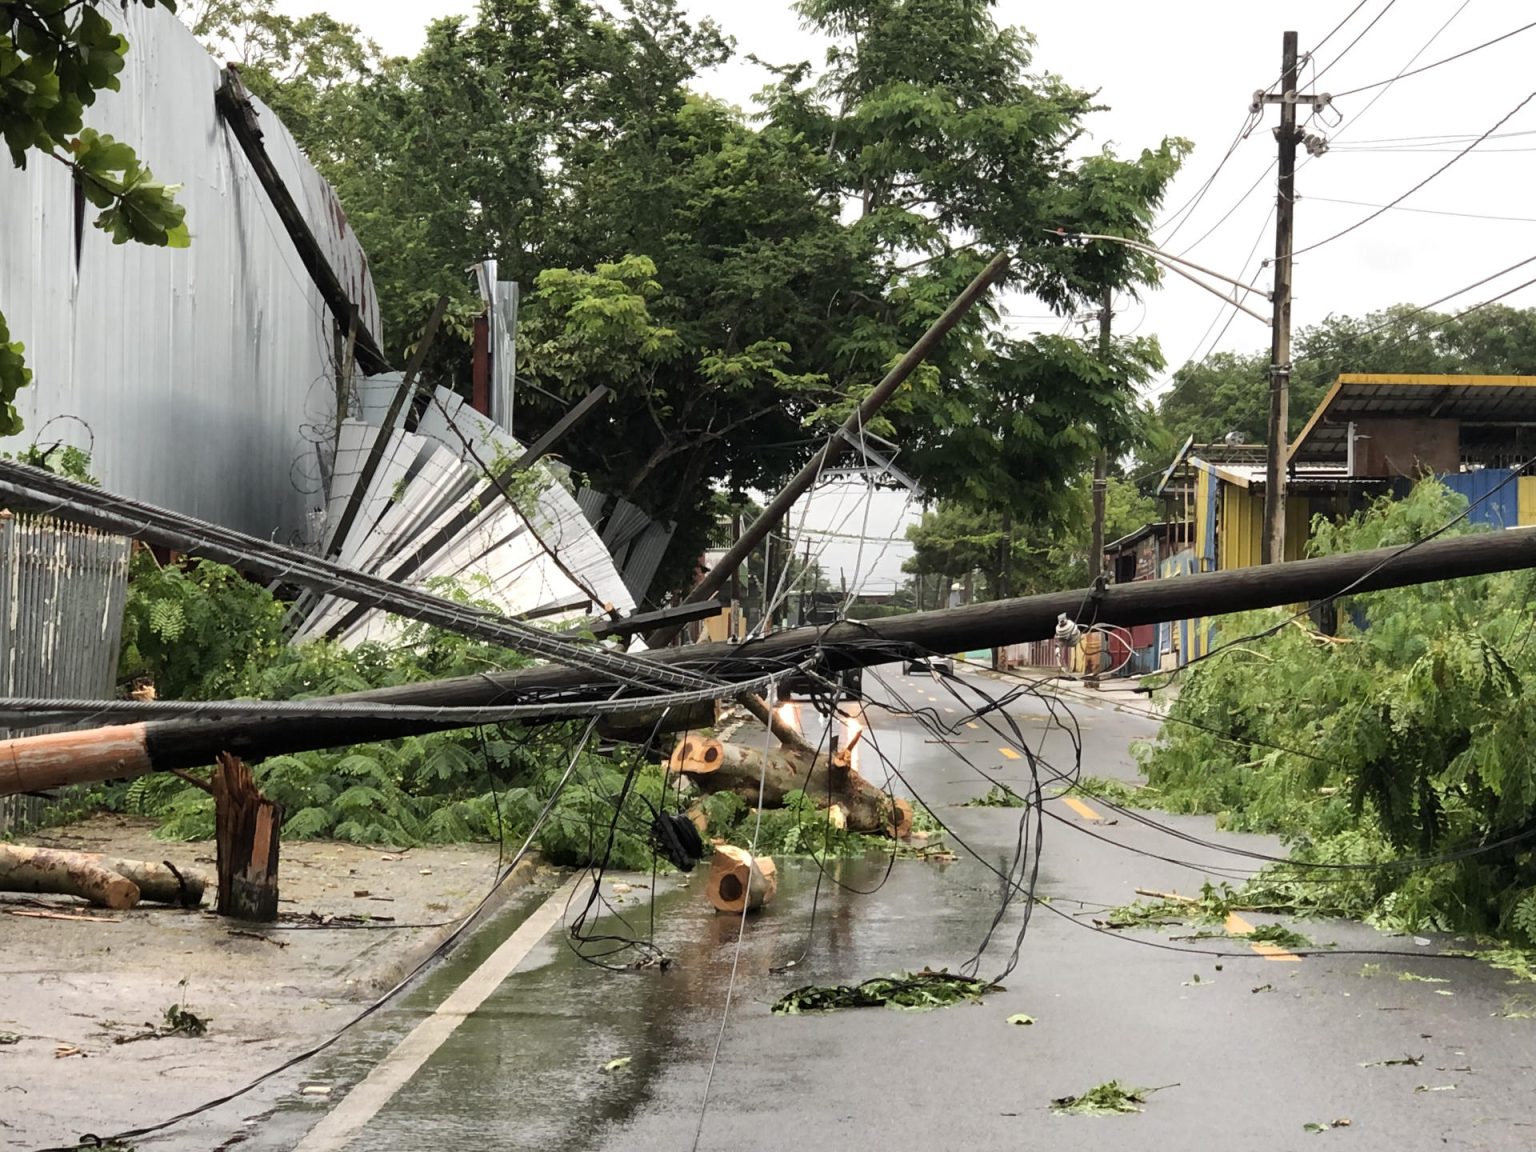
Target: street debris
point(1108, 1099)
point(616, 1064)
point(1314, 1127)
point(1405, 1061)
point(1415, 978)
point(37, 914)
point(1263, 988)
point(740, 881)
point(62, 1050)
point(1435, 1088)
point(1020, 1018)
point(9, 1038)
point(178, 1022)
point(997, 797)
point(101, 880)
point(1518, 962)
point(1278, 935)
point(315, 1090)
point(257, 936)
point(914, 990)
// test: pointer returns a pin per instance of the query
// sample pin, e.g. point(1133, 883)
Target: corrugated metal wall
point(62, 588)
point(204, 375)
point(1526, 496)
point(1499, 507)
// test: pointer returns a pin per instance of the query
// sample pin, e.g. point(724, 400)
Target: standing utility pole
point(1280, 339)
point(1101, 461)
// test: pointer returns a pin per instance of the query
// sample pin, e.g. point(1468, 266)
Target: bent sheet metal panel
point(205, 373)
point(550, 558)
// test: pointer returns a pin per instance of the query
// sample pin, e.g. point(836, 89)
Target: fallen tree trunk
point(764, 777)
point(740, 881)
point(51, 872)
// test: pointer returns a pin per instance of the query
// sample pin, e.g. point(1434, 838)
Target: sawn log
point(761, 776)
point(55, 873)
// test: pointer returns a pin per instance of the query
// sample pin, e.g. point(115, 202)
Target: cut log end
point(738, 880)
point(899, 825)
point(697, 756)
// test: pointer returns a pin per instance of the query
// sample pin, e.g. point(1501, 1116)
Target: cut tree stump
point(247, 827)
point(738, 880)
point(49, 871)
point(716, 766)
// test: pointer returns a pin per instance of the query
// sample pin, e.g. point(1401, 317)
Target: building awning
point(1364, 396)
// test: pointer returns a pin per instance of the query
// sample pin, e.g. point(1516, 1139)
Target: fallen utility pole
point(60, 758)
point(849, 434)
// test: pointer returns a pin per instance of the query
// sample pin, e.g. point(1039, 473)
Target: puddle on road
point(527, 1071)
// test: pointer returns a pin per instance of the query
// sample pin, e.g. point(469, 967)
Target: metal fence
point(62, 590)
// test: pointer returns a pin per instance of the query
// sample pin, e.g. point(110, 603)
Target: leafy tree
point(1229, 391)
point(706, 268)
point(955, 540)
point(1410, 734)
point(55, 56)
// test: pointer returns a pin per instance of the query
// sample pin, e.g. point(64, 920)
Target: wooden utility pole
point(33, 763)
point(1100, 461)
point(1286, 137)
point(849, 433)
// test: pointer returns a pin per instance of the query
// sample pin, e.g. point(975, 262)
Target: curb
point(384, 976)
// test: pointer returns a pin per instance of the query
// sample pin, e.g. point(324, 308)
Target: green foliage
point(14, 376)
point(197, 631)
point(61, 459)
point(1107, 1099)
point(997, 797)
point(1118, 792)
point(799, 828)
point(1042, 553)
point(1413, 736)
point(54, 59)
point(741, 309)
point(911, 990)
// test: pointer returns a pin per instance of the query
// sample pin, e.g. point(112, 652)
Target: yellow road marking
point(1010, 753)
point(1080, 808)
point(1237, 926)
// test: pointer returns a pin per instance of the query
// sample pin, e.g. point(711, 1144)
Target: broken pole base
point(247, 827)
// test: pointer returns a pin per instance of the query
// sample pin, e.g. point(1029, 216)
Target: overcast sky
point(1190, 69)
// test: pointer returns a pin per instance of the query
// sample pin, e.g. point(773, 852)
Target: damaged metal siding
point(198, 379)
point(62, 589)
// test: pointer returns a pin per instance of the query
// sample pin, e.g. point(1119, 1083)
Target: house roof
point(1175, 528)
point(1357, 396)
point(1317, 477)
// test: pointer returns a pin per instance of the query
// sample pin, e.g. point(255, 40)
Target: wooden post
point(248, 826)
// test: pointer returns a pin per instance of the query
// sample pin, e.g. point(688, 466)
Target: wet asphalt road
point(1245, 1056)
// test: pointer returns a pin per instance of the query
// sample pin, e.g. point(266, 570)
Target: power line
point(1435, 35)
point(1440, 138)
point(1319, 46)
point(1321, 71)
point(1437, 63)
point(1424, 211)
point(1367, 219)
